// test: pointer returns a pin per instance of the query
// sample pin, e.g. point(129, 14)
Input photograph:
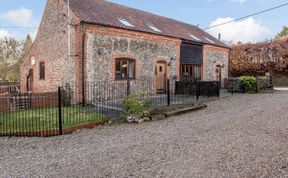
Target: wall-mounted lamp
point(223, 66)
point(171, 59)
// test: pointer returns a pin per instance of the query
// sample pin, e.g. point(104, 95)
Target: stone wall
point(214, 56)
point(103, 49)
point(105, 44)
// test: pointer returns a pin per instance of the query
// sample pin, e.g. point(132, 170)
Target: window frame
point(40, 71)
point(190, 69)
point(125, 22)
point(129, 60)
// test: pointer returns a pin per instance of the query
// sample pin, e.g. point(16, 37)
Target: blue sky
point(202, 12)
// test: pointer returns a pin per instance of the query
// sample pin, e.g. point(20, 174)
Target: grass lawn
point(45, 119)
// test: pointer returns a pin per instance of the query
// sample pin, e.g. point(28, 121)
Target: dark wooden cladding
point(191, 54)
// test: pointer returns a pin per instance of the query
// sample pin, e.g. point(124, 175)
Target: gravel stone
point(238, 136)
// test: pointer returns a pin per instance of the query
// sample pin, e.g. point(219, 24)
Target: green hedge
point(249, 83)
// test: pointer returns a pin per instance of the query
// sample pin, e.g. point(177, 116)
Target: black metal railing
point(263, 84)
point(234, 85)
point(198, 88)
point(63, 111)
point(28, 114)
point(208, 88)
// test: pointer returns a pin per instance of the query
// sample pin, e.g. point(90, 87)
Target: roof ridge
point(150, 13)
point(104, 12)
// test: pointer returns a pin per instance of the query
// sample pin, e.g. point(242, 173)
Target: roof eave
point(217, 45)
point(131, 29)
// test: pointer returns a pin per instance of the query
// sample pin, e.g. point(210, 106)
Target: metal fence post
point(271, 81)
point(60, 111)
point(168, 92)
point(208, 89)
point(257, 84)
point(197, 90)
point(128, 87)
point(218, 89)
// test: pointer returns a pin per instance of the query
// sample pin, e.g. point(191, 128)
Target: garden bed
point(173, 110)
point(165, 112)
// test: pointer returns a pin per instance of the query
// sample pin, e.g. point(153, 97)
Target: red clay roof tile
point(107, 13)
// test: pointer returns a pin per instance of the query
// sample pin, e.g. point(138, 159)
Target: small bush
point(133, 105)
point(248, 83)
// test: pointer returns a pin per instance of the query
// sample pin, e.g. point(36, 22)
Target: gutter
point(83, 65)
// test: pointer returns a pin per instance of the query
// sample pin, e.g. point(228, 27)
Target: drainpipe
point(69, 30)
point(83, 66)
point(229, 63)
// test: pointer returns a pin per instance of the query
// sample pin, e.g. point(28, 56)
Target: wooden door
point(30, 80)
point(218, 73)
point(161, 69)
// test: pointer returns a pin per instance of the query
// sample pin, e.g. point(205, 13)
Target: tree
point(10, 54)
point(283, 32)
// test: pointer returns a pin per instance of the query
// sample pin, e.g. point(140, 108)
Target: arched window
point(124, 69)
point(42, 71)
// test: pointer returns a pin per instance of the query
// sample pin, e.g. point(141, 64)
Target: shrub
point(248, 83)
point(133, 105)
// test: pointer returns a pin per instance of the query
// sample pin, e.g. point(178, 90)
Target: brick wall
point(51, 47)
point(43, 100)
point(4, 90)
point(4, 104)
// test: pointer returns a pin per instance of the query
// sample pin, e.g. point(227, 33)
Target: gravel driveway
point(239, 136)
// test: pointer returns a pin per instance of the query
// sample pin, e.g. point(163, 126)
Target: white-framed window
point(194, 37)
point(125, 22)
point(154, 28)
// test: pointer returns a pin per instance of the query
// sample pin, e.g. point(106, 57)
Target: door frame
point(30, 80)
point(165, 76)
point(219, 73)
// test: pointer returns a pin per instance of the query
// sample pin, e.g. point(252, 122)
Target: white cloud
point(4, 33)
point(20, 17)
point(248, 30)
